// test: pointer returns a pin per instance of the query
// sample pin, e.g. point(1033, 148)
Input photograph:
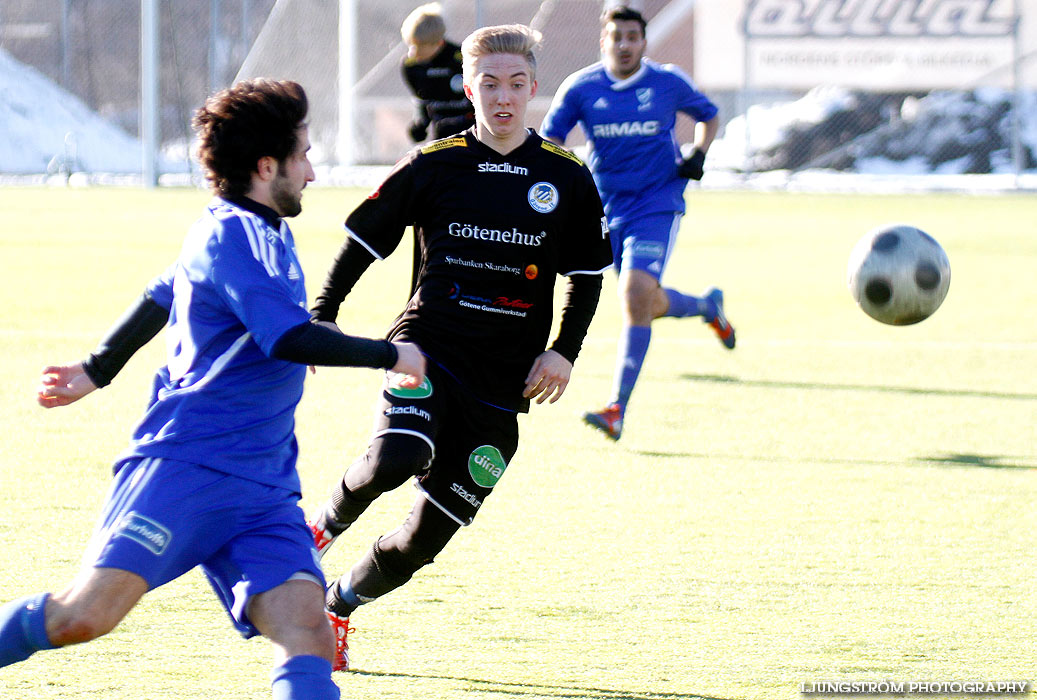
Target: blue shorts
point(162, 518)
point(644, 242)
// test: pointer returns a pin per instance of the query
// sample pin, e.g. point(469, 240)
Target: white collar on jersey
point(623, 84)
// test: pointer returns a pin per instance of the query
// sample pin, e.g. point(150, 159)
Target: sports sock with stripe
point(630, 356)
point(684, 305)
point(23, 629)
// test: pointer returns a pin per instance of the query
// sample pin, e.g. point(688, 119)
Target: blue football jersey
point(221, 401)
point(160, 289)
point(629, 125)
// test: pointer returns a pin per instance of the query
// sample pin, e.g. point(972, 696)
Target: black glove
point(417, 131)
point(691, 167)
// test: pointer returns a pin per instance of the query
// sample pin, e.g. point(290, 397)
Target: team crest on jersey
point(644, 99)
point(543, 197)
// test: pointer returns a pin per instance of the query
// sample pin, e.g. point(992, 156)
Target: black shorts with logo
point(472, 442)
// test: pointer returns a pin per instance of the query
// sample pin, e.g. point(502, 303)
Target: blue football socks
point(23, 632)
point(23, 629)
point(633, 347)
point(304, 678)
point(684, 305)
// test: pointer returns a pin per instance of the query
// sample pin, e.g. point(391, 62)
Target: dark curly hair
point(622, 12)
point(238, 126)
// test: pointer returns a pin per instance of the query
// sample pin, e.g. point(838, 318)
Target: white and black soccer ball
point(898, 274)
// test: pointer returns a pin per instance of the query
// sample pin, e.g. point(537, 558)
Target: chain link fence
point(897, 88)
point(70, 77)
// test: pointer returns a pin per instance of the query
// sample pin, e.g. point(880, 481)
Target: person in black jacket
point(432, 71)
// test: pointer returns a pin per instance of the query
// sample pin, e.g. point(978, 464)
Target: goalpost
point(149, 126)
point(347, 78)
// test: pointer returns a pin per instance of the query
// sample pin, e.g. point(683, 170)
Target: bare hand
point(548, 378)
point(410, 366)
point(61, 385)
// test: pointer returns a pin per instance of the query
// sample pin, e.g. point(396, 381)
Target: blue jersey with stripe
point(629, 124)
point(221, 401)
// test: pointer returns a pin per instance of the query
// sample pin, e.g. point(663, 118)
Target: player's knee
point(391, 459)
point(416, 543)
point(408, 452)
point(76, 626)
point(301, 636)
point(638, 290)
point(292, 617)
point(399, 557)
point(314, 637)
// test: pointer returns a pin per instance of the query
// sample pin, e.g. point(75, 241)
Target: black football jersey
point(439, 86)
point(491, 232)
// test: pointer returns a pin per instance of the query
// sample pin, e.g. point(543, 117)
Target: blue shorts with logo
point(472, 442)
point(162, 518)
point(644, 242)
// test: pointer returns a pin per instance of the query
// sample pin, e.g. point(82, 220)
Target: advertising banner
point(888, 45)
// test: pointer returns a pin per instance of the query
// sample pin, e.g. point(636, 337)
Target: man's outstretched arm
point(61, 385)
point(321, 344)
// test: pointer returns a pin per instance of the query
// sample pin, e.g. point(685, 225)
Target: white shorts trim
point(437, 504)
point(404, 431)
point(305, 576)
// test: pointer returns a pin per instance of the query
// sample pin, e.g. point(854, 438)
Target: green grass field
point(834, 500)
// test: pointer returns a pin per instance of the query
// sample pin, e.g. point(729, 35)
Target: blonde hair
point(517, 39)
point(424, 25)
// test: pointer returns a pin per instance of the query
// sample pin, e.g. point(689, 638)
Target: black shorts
point(472, 442)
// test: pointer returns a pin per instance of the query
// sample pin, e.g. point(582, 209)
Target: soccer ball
point(898, 274)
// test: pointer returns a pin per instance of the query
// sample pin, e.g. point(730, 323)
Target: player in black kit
point(432, 70)
point(497, 213)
